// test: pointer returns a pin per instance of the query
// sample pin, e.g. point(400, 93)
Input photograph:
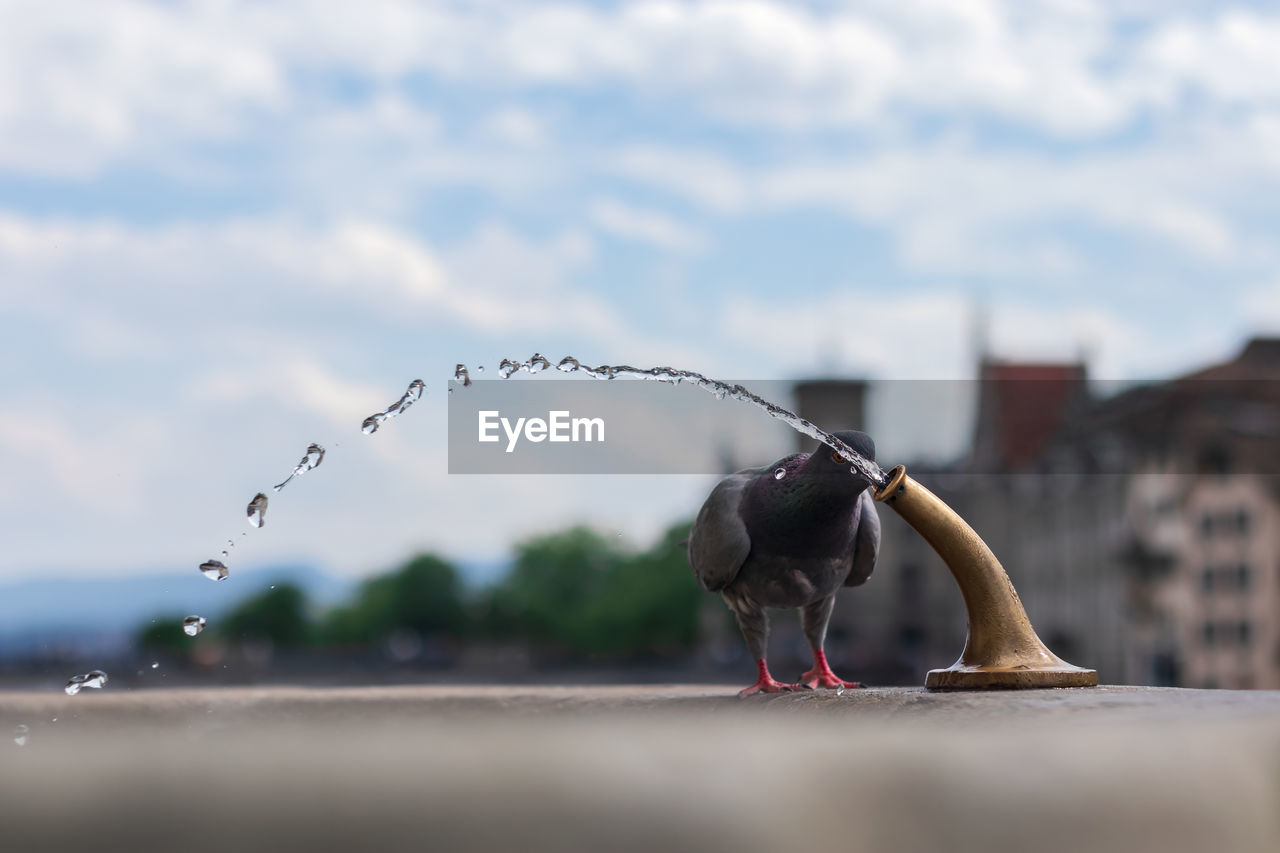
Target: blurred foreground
point(631, 768)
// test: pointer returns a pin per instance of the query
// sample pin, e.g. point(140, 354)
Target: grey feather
point(866, 545)
point(718, 541)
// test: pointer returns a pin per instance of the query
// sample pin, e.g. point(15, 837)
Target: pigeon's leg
point(814, 618)
point(754, 624)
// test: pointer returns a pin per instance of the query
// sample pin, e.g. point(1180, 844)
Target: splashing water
point(536, 364)
point(257, 510)
point(214, 570)
point(193, 625)
point(461, 375)
point(95, 679)
point(20, 734)
point(411, 395)
point(312, 459)
point(860, 466)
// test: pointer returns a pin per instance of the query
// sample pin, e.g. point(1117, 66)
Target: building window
point(1243, 577)
point(1242, 520)
point(1206, 526)
point(1206, 579)
point(1244, 633)
point(1209, 633)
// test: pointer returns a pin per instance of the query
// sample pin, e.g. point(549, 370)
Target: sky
point(229, 229)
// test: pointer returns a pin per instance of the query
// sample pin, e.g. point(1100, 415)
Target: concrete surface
point(641, 768)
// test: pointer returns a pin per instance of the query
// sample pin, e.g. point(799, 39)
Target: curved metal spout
point(1002, 650)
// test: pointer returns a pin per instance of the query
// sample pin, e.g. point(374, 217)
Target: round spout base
point(961, 677)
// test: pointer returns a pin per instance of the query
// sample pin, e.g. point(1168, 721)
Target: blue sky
point(228, 229)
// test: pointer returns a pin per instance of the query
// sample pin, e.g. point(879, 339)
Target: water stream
point(858, 464)
point(257, 508)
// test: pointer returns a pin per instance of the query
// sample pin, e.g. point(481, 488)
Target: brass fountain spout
point(1002, 650)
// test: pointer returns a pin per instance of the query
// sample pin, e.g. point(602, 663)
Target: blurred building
point(1140, 525)
point(1189, 468)
point(833, 404)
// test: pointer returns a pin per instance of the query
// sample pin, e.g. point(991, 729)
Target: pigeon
point(790, 534)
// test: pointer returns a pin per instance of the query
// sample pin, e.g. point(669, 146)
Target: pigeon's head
point(857, 441)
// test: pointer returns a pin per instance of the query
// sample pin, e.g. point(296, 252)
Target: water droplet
point(479, 368)
point(779, 473)
point(94, 678)
point(508, 367)
point(224, 555)
point(193, 625)
point(411, 395)
point(20, 734)
point(568, 364)
point(840, 690)
point(538, 363)
point(155, 664)
point(314, 456)
point(257, 510)
point(460, 375)
point(450, 392)
point(214, 570)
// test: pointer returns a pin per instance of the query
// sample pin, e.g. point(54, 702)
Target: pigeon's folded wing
point(718, 542)
point(866, 542)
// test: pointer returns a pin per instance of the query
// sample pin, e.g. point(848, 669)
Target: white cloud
point(495, 281)
point(645, 226)
point(516, 126)
point(86, 86)
point(881, 334)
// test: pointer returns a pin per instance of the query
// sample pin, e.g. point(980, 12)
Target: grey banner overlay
point(623, 427)
point(639, 427)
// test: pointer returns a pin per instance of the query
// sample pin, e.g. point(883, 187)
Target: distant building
point(833, 404)
point(1140, 527)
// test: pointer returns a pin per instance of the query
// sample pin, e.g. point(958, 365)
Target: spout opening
point(893, 483)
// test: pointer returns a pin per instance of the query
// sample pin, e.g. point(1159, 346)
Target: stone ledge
point(643, 768)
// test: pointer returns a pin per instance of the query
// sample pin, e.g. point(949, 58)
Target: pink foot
point(766, 684)
point(822, 676)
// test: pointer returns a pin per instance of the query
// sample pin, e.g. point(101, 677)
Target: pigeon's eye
point(836, 457)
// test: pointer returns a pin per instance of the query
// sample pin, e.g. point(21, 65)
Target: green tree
point(651, 603)
point(162, 635)
point(545, 598)
point(578, 591)
point(423, 596)
point(278, 615)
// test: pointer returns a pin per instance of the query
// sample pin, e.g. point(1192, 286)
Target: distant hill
point(69, 610)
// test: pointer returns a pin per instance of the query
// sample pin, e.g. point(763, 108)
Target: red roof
point(1022, 405)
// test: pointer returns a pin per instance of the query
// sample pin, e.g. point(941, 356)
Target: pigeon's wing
point(866, 541)
point(718, 542)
